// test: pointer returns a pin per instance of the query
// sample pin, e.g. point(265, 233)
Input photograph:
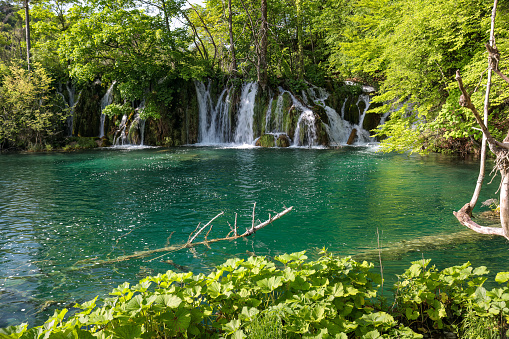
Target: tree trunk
point(504, 201)
point(208, 32)
point(27, 30)
point(232, 43)
point(262, 56)
point(300, 40)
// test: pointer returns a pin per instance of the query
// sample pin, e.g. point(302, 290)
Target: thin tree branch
point(208, 32)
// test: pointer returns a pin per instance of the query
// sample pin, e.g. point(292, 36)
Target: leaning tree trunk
point(500, 149)
point(504, 202)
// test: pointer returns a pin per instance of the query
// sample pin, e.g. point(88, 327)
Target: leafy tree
point(29, 114)
point(411, 50)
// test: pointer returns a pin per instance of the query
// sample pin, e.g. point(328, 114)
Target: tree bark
point(232, 43)
point(205, 54)
point(208, 32)
point(300, 40)
point(262, 57)
point(482, 165)
point(504, 202)
point(27, 30)
point(93, 262)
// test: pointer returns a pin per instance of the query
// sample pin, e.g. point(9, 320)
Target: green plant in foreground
point(289, 298)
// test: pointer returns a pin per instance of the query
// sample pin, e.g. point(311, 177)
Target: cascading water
point(267, 115)
point(214, 119)
point(71, 92)
point(305, 130)
point(363, 135)
point(120, 137)
point(341, 131)
point(133, 133)
point(298, 121)
point(244, 131)
point(105, 101)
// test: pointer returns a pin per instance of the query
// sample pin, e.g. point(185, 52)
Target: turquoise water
point(59, 208)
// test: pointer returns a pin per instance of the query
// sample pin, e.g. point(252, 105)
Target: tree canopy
point(409, 50)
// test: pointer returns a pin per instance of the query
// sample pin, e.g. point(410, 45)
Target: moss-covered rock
point(283, 141)
point(266, 140)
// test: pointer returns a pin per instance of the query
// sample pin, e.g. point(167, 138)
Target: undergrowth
point(289, 298)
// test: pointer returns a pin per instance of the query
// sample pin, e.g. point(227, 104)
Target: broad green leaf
point(179, 321)
point(502, 277)
point(372, 335)
point(130, 331)
point(169, 300)
point(135, 304)
point(270, 284)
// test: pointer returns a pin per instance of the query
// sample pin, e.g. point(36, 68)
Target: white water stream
point(105, 101)
point(216, 127)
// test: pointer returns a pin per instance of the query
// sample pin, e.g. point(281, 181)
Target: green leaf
point(179, 321)
point(131, 331)
point(232, 326)
point(372, 335)
point(482, 270)
point(13, 331)
point(214, 289)
point(502, 277)
point(169, 300)
point(135, 304)
point(270, 284)
point(248, 314)
point(411, 314)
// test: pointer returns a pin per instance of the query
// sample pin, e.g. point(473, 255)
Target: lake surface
point(59, 208)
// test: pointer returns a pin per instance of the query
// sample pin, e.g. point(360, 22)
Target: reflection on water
point(58, 209)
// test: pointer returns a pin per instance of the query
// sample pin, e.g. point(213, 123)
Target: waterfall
point(214, 121)
point(306, 122)
point(338, 129)
point(363, 136)
point(105, 101)
point(267, 116)
point(71, 92)
point(133, 133)
point(244, 131)
point(120, 137)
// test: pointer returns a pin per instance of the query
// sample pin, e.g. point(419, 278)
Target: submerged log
point(422, 244)
point(93, 262)
point(351, 139)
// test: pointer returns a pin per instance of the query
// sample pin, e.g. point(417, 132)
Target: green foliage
point(241, 298)
point(30, 113)
point(80, 143)
point(115, 109)
point(413, 48)
point(289, 298)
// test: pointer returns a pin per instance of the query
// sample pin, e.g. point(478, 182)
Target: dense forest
point(151, 50)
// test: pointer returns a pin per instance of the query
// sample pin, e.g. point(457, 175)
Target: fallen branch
point(463, 216)
point(88, 263)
